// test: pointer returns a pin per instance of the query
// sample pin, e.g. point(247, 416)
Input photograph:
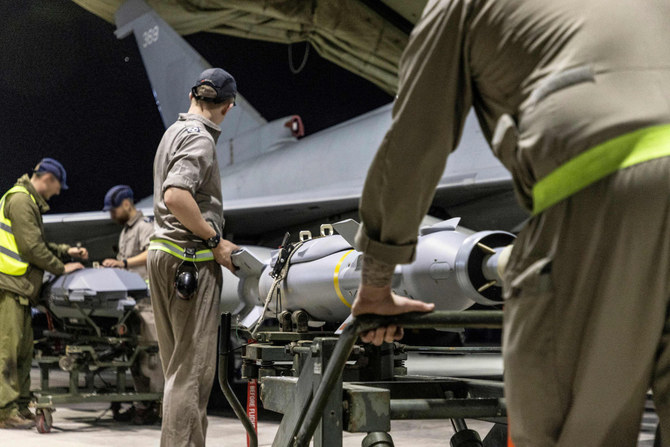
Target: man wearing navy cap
point(188, 214)
point(137, 229)
point(132, 255)
point(24, 256)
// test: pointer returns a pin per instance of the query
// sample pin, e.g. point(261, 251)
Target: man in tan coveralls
point(133, 250)
point(188, 213)
point(136, 234)
point(24, 256)
point(574, 97)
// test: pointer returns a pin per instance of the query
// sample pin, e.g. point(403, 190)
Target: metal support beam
point(389, 15)
point(453, 349)
point(295, 410)
point(121, 379)
point(44, 376)
point(74, 382)
point(62, 396)
point(367, 409)
point(446, 408)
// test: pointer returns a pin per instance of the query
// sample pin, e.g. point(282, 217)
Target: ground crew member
point(132, 255)
point(136, 233)
point(24, 256)
point(188, 214)
point(574, 97)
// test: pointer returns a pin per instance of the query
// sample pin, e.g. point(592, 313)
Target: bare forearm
point(376, 297)
point(134, 261)
point(138, 260)
point(376, 278)
point(185, 209)
point(376, 273)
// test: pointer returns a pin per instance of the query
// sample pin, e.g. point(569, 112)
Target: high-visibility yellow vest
point(600, 161)
point(10, 260)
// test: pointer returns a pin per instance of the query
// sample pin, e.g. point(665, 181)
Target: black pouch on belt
point(186, 277)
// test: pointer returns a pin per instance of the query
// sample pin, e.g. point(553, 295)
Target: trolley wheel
point(466, 438)
point(44, 420)
point(377, 439)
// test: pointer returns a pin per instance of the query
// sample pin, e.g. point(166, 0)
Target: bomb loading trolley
point(92, 329)
point(315, 379)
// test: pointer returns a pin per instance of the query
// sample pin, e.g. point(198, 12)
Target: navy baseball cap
point(115, 196)
point(219, 79)
point(54, 167)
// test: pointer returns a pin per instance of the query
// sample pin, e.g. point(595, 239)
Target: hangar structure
point(365, 37)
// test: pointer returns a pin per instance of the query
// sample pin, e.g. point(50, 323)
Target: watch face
point(212, 242)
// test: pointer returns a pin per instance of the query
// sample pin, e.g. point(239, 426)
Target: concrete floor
point(89, 425)
point(92, 424)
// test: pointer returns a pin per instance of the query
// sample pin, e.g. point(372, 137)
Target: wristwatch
point(213, 241)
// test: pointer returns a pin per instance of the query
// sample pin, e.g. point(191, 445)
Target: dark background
point(70, 90)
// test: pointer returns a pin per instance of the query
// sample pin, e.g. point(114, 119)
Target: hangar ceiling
point(365, 37)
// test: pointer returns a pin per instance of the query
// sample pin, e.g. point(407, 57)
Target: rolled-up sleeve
point(60, 250)
point(144, 238)
point(192, 158)
point(428, 116)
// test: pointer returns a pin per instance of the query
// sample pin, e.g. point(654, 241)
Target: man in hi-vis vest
point(24, 256)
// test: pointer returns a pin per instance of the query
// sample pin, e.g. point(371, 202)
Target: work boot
point(27, 414)
point(15, 420)
point(123, 415)
point(146, 415)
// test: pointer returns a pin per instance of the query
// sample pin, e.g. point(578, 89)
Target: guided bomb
point(454, 268)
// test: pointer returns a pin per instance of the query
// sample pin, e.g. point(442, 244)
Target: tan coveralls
point(134, 239)
point(587, 285)
point(187, 330)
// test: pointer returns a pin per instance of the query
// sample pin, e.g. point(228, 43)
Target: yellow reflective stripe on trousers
point(178, 252)
point(599, 162)
point(10, 259)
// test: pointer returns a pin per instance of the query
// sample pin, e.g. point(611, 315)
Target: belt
point(599, 162)
point(178, 252)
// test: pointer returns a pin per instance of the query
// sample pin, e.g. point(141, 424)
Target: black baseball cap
point(219, 79)
point(54, 167)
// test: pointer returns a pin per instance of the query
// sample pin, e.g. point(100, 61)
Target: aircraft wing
point(94, 230)
point(485, 204)
point(259, 215)
point(273, 182)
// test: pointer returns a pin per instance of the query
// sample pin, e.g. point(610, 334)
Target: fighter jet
point(275, 180)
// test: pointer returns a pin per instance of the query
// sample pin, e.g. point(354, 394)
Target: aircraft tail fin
point(172, 65)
